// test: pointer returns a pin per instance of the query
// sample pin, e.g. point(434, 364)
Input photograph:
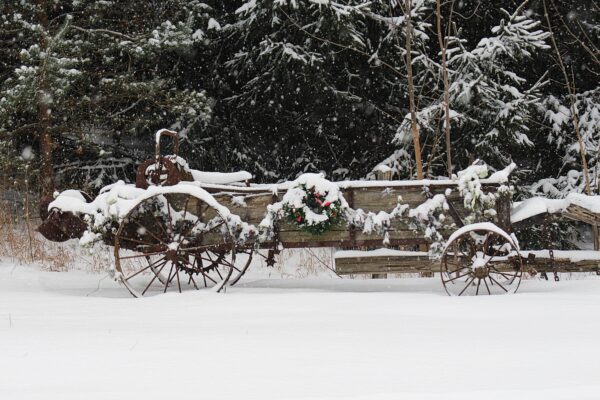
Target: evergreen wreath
point(313, 202)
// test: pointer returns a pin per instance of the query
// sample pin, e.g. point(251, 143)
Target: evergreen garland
point(314, 202)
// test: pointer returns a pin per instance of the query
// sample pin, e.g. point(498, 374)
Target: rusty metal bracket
point(553, 265)
point(349, 195)
point(451, 209)
point(529, 261)
point(173, 135)
point(271, 256)
point(427, 192)
point(454, 214)
point(163, 166)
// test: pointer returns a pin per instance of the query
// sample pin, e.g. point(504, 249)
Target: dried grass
point(306, 262)
point(21, 244)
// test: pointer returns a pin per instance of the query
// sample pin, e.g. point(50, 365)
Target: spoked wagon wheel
point(481, 259)
point(174, 241)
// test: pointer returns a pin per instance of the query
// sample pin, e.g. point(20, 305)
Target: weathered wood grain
point(385, 264)
point(367, 198)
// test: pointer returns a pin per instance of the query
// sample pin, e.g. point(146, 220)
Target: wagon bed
point(369, 196)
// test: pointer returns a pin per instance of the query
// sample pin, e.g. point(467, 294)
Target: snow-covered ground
point(77, 336)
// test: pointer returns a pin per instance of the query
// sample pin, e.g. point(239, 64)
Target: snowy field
point(77, 336)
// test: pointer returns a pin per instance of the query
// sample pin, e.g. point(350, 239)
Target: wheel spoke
point(205, 275)
point(155, 276)
point(191, 228)
point(203, 247)
point(142, 270)
point(169, 213)
point(461, 254)
point(504, 274)
point(194, 281)
point(487, 242)
point(141, 255)
point(154, 263)
point(128, 239)
point(457, 270)
point(487, 261)
point(498, 283)
point(457, 277)
point(185, 208)
point(187, 200)
point(466, 286)
point(487, 287)
point(218, 272)
point(178, 282)
point(161, 225)
point(478, 283)
point(204, 278)
point(224, 261)
point(215, 264)
point(150, 232)
point(168, 279)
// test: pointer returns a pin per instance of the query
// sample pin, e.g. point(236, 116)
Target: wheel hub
point(481, 272)
point(172, 255)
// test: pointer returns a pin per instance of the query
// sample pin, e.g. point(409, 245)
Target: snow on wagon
point(177, 228)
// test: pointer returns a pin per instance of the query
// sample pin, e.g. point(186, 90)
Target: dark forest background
point(281, 87)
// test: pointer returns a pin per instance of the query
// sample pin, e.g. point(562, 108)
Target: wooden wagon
point(178, 229)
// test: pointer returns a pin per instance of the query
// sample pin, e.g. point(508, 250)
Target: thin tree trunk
point(572, 100)
point(443, 46)
point(44, 136)
point(575, 117)
point(411, 92)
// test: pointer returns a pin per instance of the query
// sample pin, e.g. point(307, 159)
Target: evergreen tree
point(322, 84)
point(491, 96)
point(574, 96)
point(91, 76)
point(491, 104)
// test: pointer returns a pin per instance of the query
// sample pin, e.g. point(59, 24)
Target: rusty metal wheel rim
point(175, 257)
point(239, 272)
point(481, 262)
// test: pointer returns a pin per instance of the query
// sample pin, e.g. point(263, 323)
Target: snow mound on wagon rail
point(211, 178)
point(540, 205)
point(116, 201)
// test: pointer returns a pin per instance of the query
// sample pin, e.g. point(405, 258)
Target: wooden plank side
point(378, 199)
point(368, 198)
point(255, 209)
point(289, 233)
point(578, 213)
point(385, 264)
point(543, 264)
